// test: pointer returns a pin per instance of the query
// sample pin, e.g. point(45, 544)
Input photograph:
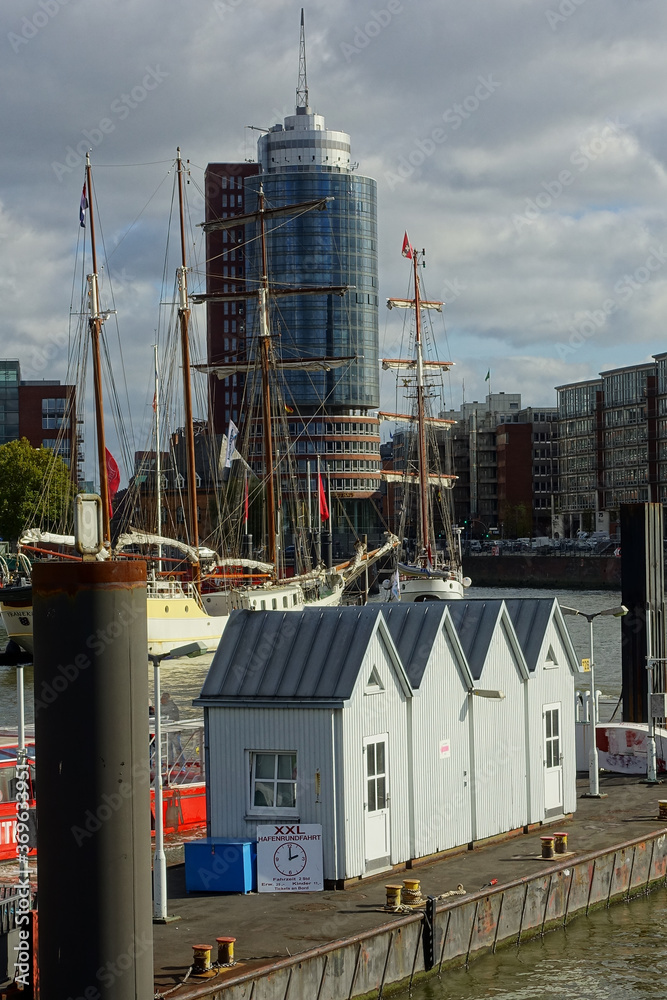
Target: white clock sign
point(289, 857)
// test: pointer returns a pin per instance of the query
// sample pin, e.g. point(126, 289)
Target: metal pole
point(651, 756)
point(651, 761)
point(159, 859)
point(593, 766)
point(93, 804)
point(21, 757)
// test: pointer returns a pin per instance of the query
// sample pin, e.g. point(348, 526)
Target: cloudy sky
point(521, 142)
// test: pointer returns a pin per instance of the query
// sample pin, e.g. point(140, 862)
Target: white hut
point(403, 729)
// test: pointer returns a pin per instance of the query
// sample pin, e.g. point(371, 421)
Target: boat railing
point(165, 587)
point(183, 761)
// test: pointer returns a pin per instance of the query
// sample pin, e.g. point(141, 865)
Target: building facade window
point(273, 780)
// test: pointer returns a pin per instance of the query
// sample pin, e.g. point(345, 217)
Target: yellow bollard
point(412, 892)
point(225, 950)
point(201, 959)
point(547, 847)
point(662, 809)
point(560, 843)
point(393, 896)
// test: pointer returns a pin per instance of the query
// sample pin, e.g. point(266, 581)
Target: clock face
point(290, 858)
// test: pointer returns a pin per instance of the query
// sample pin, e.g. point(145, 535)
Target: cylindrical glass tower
point(302, 161)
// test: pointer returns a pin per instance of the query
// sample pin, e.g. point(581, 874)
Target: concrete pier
point(334, 944)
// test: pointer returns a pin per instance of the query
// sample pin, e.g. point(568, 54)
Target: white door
point(553, 761)
point(376, 801)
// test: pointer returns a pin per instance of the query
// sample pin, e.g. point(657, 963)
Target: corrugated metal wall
point(548, 685)
point(500, 737)
point(442, 783)
point(367, 715)
point(490, 781)
point(232, 732)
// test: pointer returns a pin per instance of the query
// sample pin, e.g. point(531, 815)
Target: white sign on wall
point(289, 857)
point(445, 748)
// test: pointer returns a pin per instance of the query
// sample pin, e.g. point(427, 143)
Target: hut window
point(551, 660)
point(272, 780)
point(374, 685)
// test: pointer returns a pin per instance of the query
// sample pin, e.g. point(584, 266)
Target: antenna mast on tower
point(302, 85)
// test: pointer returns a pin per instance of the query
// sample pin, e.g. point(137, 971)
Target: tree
point(35, 489)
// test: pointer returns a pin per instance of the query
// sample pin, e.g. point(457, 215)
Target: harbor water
point(618, 953)
point(184, 678)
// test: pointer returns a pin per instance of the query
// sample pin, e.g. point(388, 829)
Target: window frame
point(271, 812)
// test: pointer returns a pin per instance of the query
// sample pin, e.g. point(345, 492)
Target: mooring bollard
point(412, 892)
point(225, 950)
point(393, 896)
point(560, 843)
point(662, 809)
point(201, 959)
point(547, 847)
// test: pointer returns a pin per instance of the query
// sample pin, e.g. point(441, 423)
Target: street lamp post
point(593, 765)
point(159, 857)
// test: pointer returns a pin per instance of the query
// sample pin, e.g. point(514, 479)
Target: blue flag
point(82, 208)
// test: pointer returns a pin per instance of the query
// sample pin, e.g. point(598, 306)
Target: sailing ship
point(196, 609)
point(317, 584)
point(175, 611)
point(429, 572)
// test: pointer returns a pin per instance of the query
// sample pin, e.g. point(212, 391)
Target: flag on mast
point(324, 506)
point(487, 376)
point(82, 208)
point(113, 477)
point(232, 434)
point(407, 250)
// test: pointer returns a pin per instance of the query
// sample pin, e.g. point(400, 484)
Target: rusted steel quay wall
point(402, 951)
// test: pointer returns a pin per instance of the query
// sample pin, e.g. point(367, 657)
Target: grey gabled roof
point(414, 628)
point(475, 622)
point(530, 618)
point(314, 655)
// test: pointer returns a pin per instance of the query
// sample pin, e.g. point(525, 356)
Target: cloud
point(522, 254)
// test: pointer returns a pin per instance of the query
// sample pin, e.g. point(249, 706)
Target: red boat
point(183, 777)
point(8, 762)
point(183, 788)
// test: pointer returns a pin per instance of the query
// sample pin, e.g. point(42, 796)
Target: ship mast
point(421, 422)
point(184, 322)
point(418, 367)
point(265, 367)
point(158, 464)
point(95, 325)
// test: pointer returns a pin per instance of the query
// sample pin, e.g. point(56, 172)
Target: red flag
point(407, 250)
point(324, 507)
point(113, 477)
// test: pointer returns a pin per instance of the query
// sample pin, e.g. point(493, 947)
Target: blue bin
point(221, 864)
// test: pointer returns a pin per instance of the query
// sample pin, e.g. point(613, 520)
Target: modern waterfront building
point(505, 457)
point(225, 273)
point(43, 411)
point(613, 445)
point(328, 412)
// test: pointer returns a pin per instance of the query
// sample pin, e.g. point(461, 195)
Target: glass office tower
point(301, 161)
